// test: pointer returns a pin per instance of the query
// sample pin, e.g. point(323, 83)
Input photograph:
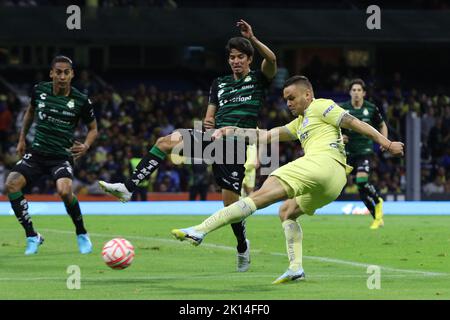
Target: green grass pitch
point(411, 251)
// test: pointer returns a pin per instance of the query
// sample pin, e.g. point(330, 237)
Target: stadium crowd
point(130, 121)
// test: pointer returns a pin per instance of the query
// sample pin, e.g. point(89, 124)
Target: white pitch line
point(216, 246)
point(215, 276)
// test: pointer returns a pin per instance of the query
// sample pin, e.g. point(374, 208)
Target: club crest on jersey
point(247, 79)
point(365, 112)
point(71, 104)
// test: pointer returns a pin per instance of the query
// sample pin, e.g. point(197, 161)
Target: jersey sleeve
point(293, 126)
point(331, 113)
point(87, 113)
point(213, 91)
point(377, 117)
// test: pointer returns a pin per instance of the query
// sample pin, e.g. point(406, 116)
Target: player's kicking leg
point(271, 192)
point(151, 162)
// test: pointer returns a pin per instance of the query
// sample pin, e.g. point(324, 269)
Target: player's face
point(297, 99)
point(239, 62)
point(357, 92)
point(62, 75)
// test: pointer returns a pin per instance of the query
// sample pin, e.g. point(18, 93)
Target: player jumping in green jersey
point(234, 100)
point(309, 182)
point(56, 107)
point(360, 148)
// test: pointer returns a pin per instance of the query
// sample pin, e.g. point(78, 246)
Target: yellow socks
point(294, 235)
point(235, 212)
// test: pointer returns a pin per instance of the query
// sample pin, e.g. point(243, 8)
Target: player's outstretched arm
point(269, 64)
point(350, 122)
point(262, 136)
point(384, 129)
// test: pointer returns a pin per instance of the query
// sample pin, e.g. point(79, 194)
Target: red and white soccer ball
point(118, 253)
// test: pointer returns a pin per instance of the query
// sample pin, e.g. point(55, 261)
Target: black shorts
point(34, 165)
point(227, 156)
point(360, 163)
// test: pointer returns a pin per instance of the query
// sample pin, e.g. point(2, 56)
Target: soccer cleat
point(379, 209)
point(376, 224)
point(189, 234)
point(290, 275)
point(33, 244)
point(84, 243)
point(118, 190)
point(243, 259)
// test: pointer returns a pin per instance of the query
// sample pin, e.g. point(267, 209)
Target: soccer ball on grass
point(118, 253)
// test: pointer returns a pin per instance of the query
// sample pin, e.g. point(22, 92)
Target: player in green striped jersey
point(360, 148)
point(56, 107)
point(234, 100)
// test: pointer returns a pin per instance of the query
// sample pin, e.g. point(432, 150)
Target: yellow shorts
point(314, 181)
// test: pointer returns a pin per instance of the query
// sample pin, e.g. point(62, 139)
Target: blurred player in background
point(309, 182)
point(234, 100)
point(359, 148)
point(56, 107)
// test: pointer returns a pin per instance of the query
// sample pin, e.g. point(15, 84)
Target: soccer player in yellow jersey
point(307, 183)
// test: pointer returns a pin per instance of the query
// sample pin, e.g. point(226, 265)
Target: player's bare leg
point(271, 191)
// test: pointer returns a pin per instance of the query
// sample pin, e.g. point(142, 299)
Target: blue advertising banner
point(209, 207)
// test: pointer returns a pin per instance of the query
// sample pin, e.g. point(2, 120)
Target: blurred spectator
point(168, 178)
point(436, 139)
point(85, 84)
point(351, 187)
point(435, 186)
point(6, 121)
point(198, 181)
point(2, 175)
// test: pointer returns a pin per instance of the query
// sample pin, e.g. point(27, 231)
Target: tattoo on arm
point(347, 120)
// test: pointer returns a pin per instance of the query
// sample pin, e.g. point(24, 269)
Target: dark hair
point(357, 81)
point(61, 59)
point(301, 80)
point(241, 44)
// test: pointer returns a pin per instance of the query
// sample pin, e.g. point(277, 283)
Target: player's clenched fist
point(395, 148)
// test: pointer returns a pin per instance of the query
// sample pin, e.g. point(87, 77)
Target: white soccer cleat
point(189, 234)
point(118, 190)
point(290, 275)
point(243, 259)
